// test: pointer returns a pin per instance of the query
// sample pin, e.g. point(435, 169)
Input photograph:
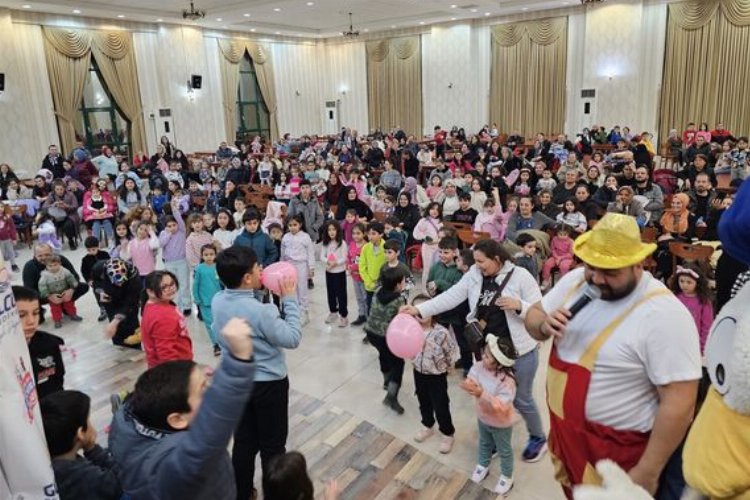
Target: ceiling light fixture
point(193, 14)
point(454, 6)
point(277, 9)
point(310, 4)
point(421, 22)
point(486, 13)
point(453, 18)
point(474, 10)
point(351, 33)
point(121, 16)
point(252, 29)
point(76, 11)
point(160, 20)
point(26, 6)
point(277, 33)
point(219, 19)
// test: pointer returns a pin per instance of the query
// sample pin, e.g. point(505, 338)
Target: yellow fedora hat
point(614, 243)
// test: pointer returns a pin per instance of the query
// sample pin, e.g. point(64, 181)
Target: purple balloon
point(405, 336)
point(273, 274)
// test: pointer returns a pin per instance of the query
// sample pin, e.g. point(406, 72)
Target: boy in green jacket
point(385, 306)
point(372, 259)
point(444, 274)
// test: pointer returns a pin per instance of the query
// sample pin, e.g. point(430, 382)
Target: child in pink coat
point(561, 248)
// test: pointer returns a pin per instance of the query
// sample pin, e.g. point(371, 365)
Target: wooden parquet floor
point(367, 462)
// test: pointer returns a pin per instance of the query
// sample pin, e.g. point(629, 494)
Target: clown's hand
point(616, 485)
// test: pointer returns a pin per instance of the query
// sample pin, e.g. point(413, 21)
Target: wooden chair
point(380, 216)
point(700, 232)
point(686, 251)
point(257, 200)
point(469, 237)
point(648, 234)
point(458, 226)
point(23, 223)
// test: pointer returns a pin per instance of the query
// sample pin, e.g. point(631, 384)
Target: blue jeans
point(361, 294)
point(525, 368)
point(499, 439)
point(106, 224)
point(180, 269)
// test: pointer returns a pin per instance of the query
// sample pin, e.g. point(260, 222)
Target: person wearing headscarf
point(417, 194)
point(677, 224)
point(407, 214)
point(349, 201)
point(118, 286)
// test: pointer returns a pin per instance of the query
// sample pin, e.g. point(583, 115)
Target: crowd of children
point(368, 229)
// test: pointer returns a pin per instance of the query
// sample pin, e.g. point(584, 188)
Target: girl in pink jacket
point(493, 385)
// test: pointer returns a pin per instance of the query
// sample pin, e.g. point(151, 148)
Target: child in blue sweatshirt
point(265, 423)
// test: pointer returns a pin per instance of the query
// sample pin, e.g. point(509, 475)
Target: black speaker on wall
point(196, 81)
point(2, 82)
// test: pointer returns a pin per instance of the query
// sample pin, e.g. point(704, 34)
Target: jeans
point(368, 299)
point(106, 224)
point(361, 294)
point(525, 368)
point(499, 439)
point(434, 403)
point(263, 428)
point(180, 269)
point(303, 293)
point(336, 293)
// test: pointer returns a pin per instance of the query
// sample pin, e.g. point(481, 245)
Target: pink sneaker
point(423, 434)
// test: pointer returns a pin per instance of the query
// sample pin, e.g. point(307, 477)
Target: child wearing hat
point(493, 385)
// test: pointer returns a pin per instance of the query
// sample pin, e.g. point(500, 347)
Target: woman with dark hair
point(180, 158)
point(62, 206)
point(128, 197)
point(118, 289)
point(499, 295)
point(230, 194)
point(164, 331)
point(607, 193)
point(333, 191)
point(349, 201)
point(407, 214)
point(6, 175)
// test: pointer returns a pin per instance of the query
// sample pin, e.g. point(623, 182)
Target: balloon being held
point(273, 274)
point(405, 336)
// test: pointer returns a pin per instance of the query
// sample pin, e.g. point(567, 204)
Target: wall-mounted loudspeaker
point(196, 81)
point(2, 82)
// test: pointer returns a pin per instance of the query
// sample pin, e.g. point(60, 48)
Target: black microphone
point(590, 293)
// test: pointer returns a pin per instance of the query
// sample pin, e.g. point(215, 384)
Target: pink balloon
point(273, 274)
point(405, 336)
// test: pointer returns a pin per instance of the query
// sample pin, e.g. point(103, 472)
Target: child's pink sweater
point(193, 244)
point(143, 254)
point(495, 405)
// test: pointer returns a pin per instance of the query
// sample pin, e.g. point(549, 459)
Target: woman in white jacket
point(502, 311)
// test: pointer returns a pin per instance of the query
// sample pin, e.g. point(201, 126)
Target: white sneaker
point(479, 474)
point(423, 434)
point(504, 485)
point(446, 445)
point(331, 318)
point(343, 322)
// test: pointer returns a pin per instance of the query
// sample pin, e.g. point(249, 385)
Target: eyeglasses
point(167, 286)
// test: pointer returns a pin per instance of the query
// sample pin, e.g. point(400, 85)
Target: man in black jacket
point(53, 162)
point(32, 271)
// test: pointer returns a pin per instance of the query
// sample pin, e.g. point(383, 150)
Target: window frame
point(262, 115)
point(89, 139)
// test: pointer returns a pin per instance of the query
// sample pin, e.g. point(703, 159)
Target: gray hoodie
point(158, 464)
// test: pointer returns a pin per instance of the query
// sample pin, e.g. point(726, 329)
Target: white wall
point(618, 49)
point(27, 119)
point(457, 55)
point(345, 79)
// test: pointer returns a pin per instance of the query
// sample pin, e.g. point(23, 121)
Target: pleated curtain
point(68, 54)
point(394, 84)
point(527, 87)
point(707, 65)
point(232, 52)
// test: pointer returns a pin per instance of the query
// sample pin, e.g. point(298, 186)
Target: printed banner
point(25, 469)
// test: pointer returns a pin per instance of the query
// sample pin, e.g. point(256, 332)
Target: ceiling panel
point(319, 18)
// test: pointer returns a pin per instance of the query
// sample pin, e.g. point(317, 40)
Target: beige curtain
point(707, 65)
point(233, 51)
point(394, 84)
point(68, 54)
point(527, 89)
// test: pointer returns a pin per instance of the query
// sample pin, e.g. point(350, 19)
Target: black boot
point(359, 321)
point(385, 381)
point(391, 399)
